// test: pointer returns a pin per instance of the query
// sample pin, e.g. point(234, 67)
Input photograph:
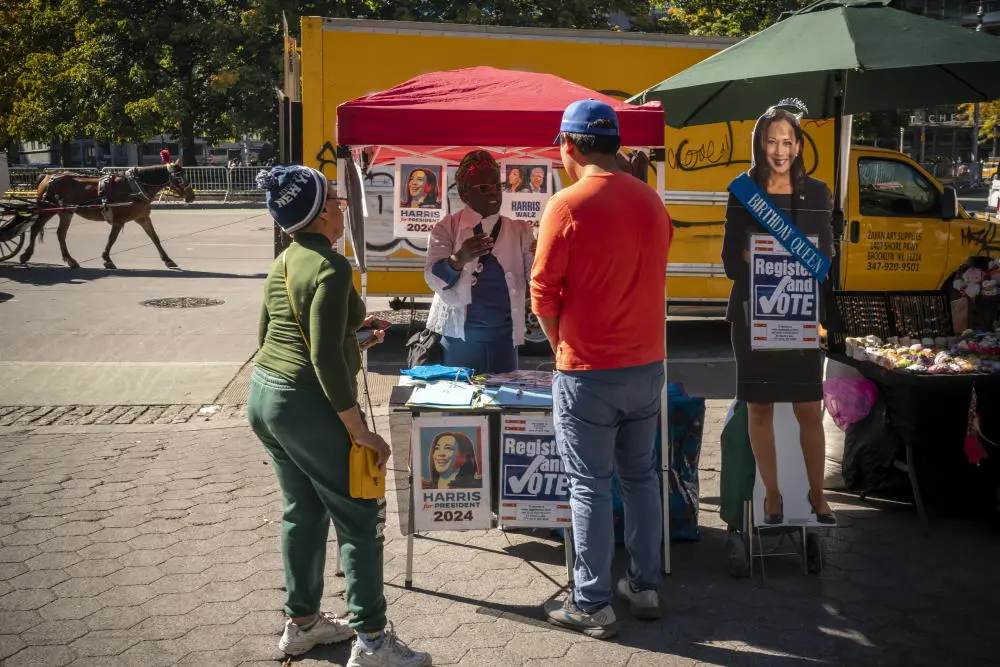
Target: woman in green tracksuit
point(303, 407)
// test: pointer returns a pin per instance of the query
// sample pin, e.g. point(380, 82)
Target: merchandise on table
point(972, 352)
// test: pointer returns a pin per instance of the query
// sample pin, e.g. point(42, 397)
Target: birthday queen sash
point(777, 223)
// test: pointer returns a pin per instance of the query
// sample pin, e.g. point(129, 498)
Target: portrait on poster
point(784, 298)
point(450, 463)
point(420, 189)
point(527, 187)
point(534, 488)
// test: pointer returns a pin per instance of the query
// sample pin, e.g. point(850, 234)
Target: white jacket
point(512, 250)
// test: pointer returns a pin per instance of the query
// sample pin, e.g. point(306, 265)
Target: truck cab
point(902, 229)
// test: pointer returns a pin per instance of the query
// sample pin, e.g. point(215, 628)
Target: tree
point(989, 121)
point(189, 64)
point(878, 128)
point(732, 18)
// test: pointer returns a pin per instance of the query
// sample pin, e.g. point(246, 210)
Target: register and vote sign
point(784, 298)
point(534, 490)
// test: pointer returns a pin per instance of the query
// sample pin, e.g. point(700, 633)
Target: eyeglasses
point(341, 202)
point(486, 188)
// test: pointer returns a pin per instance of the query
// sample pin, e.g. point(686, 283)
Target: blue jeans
point(483, 356)
point(605, 422)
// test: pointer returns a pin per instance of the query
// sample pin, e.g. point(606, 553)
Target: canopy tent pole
point(841, 167)
point(658, 157)
point(359, 258)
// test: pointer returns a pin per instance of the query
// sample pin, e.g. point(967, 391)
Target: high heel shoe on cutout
point(827, 518)
point(778, 518)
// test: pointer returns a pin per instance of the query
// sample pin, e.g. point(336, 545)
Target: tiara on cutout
point(794, 105)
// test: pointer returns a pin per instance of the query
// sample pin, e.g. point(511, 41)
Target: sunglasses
point(486, 188)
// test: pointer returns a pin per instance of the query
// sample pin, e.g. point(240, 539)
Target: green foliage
point(737, 18)
point(878, 128)
point(989, 118)
point(125, 70)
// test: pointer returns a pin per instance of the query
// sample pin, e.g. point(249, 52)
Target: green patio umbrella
point(840, 57)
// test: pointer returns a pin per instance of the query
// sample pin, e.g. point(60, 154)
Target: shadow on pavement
point(41, 275)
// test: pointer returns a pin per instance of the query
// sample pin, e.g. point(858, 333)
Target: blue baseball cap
point(579, 115)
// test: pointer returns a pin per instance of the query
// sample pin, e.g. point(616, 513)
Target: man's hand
point(474, 247)
point(550, 325)
point(746, 256)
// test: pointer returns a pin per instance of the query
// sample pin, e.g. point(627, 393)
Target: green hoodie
point(330, 311)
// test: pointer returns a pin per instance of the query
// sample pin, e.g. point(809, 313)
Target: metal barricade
point(236, 184)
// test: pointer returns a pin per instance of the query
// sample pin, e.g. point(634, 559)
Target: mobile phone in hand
point(365, 336)
point(376, 325)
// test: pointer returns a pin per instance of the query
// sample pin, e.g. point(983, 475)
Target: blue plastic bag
point(439, 372)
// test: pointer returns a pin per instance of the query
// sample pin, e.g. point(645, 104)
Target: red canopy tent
point(445, 114)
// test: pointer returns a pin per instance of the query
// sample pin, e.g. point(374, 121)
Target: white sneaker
point(328, 630)
point(645, 605)
point(392, 653)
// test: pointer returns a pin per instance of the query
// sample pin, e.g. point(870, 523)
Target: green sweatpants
point(309, 447)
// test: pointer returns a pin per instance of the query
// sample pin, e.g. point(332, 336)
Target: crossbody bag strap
point(291, 306)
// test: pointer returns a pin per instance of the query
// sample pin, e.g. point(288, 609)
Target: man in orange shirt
point(597, 287)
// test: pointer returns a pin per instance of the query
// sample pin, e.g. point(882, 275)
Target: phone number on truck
point(894, 267)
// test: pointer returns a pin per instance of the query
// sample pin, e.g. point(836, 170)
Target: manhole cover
point(182, 302)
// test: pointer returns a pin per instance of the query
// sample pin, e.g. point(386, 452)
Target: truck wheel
point(535, 342)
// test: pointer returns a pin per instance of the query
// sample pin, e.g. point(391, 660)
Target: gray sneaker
point(602, 624)
point(645, 605)
point(392, 653)
point(329, 629)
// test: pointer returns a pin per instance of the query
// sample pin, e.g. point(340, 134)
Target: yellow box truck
point(899, 231)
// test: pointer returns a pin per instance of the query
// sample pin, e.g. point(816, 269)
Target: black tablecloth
point(930, 413)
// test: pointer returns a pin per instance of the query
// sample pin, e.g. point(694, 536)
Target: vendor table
point(401, 421)
point(930, 411)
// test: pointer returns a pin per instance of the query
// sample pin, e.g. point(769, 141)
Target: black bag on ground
point(424, 349)
point(870, 449)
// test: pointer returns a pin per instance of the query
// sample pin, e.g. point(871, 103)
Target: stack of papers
point(515, 396)
point(537, 379)
point(443, 395)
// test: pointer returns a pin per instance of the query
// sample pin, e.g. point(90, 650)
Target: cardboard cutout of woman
point(779, 376)
point(452, 462)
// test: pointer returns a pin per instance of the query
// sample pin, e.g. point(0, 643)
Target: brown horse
point(125, 197)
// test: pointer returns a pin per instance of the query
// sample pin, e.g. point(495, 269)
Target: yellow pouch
point(367, 479)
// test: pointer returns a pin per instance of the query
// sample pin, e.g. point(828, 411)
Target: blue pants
point(606, 421)
point(497, 356)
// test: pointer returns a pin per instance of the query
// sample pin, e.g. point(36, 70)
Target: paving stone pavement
point(158, 544)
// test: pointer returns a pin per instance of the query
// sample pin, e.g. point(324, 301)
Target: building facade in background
point(944, 134)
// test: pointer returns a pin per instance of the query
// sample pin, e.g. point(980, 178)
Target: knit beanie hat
point(295, 195)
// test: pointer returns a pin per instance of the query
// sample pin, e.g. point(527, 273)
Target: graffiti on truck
point(984, 237)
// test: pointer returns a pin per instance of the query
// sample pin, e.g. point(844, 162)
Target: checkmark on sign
point(766, 304)
point(517, 484)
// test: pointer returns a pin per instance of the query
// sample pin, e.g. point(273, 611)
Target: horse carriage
point(18, 216)
point(114, 198)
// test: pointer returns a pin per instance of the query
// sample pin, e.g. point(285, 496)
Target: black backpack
point(424, 349)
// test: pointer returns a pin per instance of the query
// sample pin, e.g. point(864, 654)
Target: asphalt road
point(974, 203)
point(85, 337)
